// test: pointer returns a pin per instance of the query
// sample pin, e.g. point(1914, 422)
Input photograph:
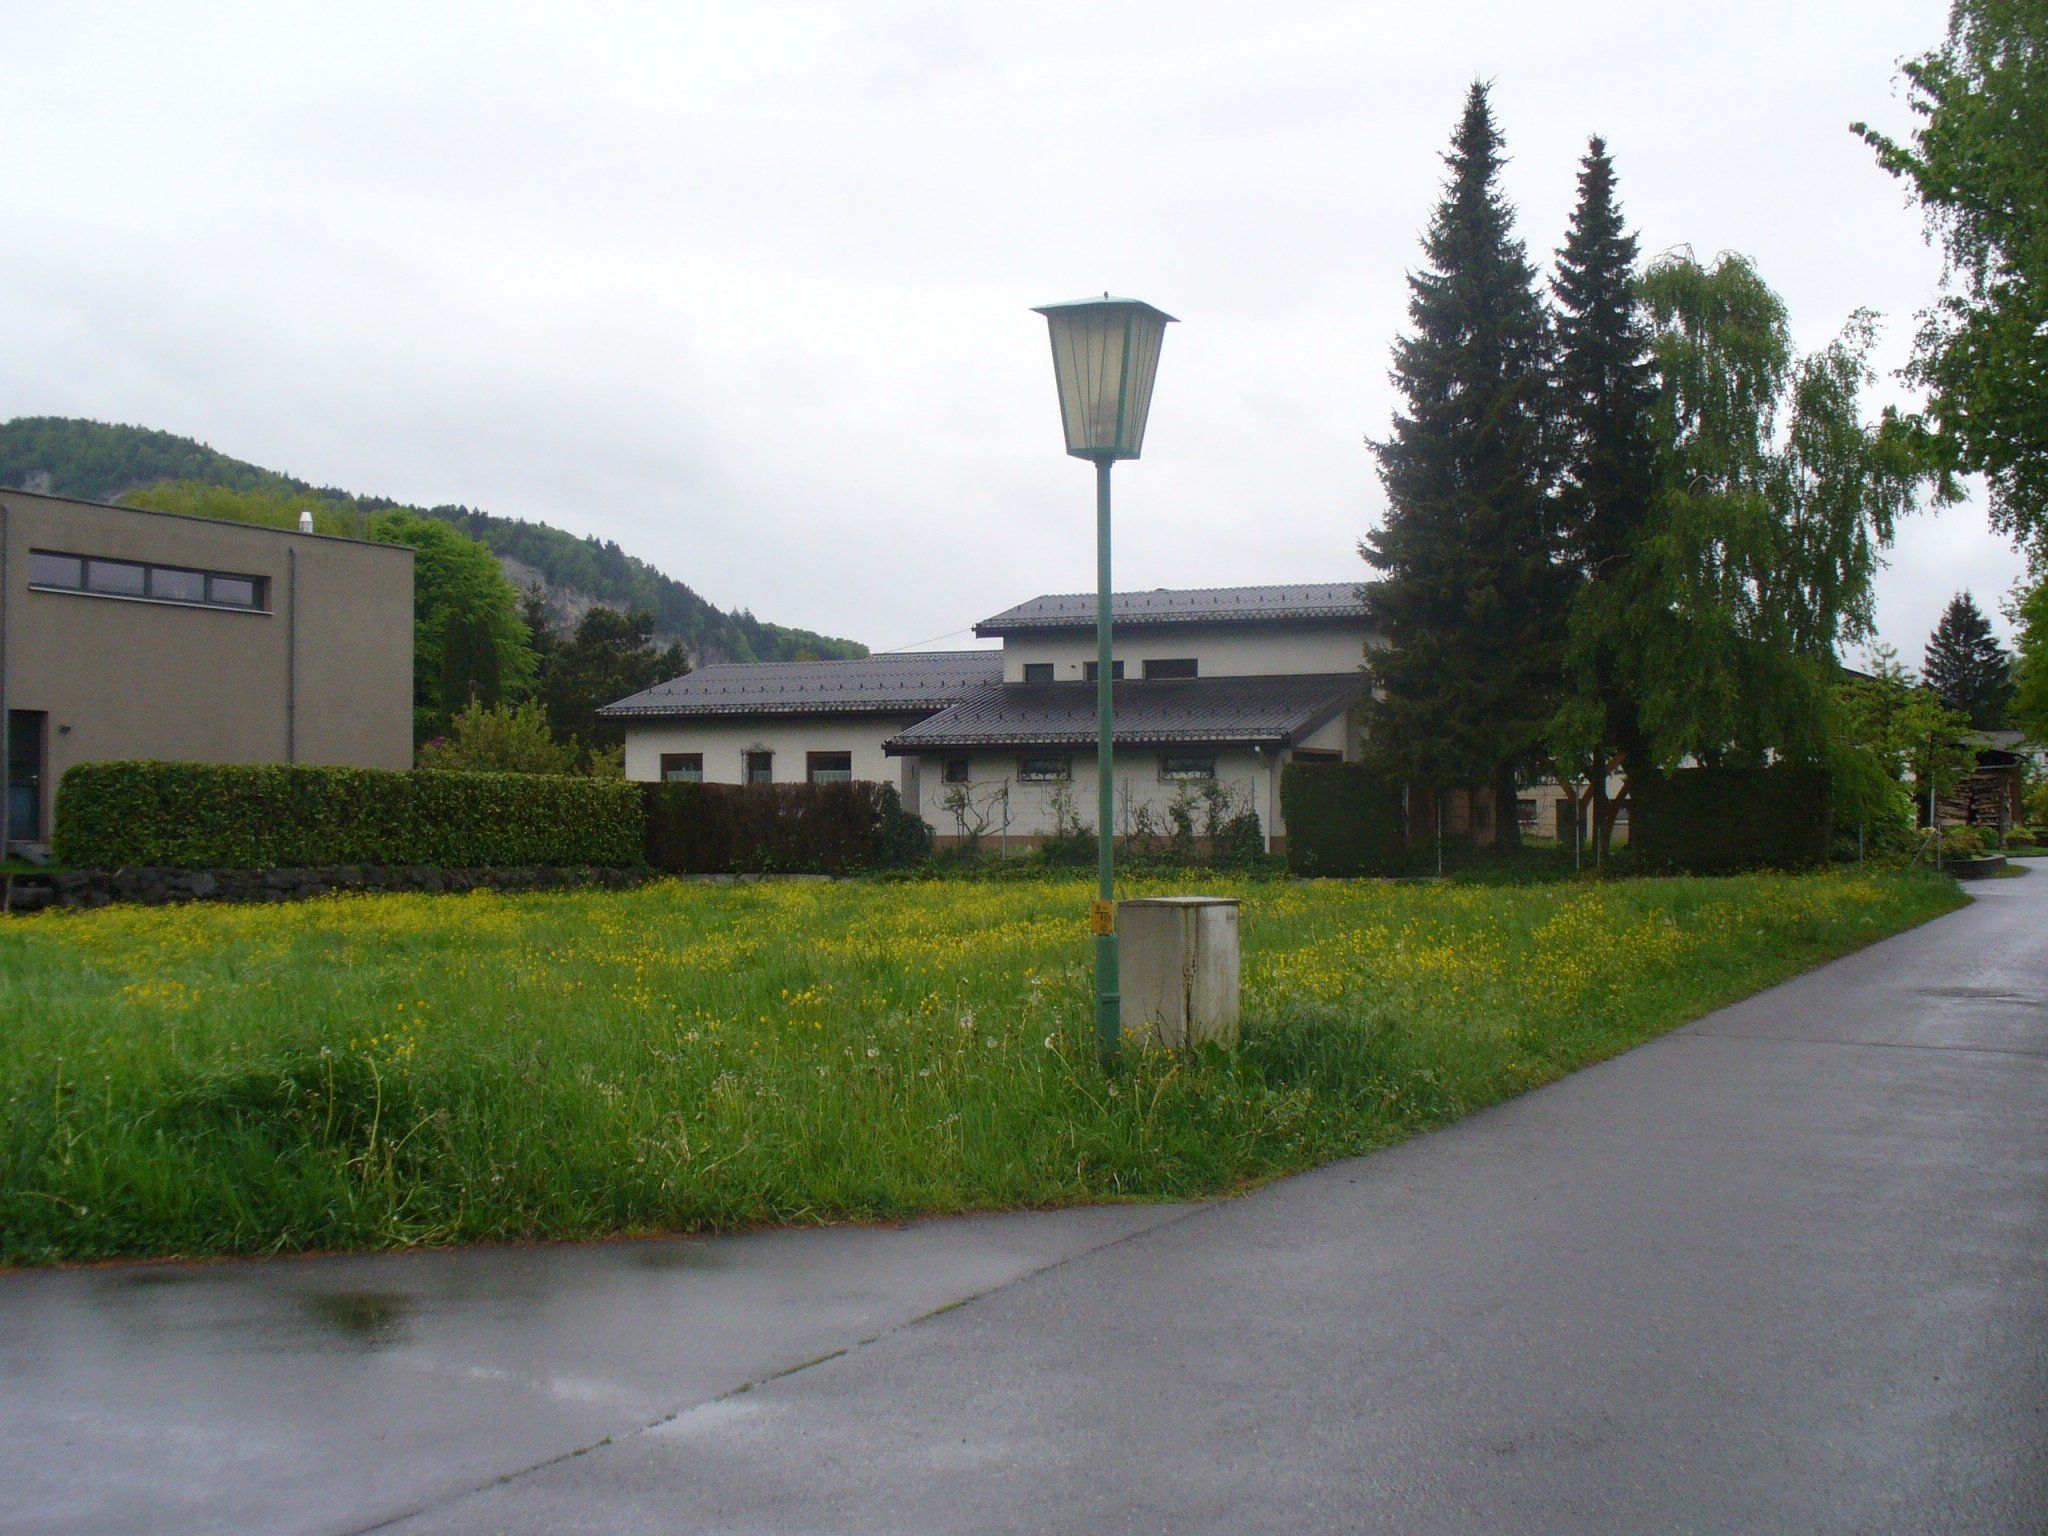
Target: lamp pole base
point(1109, 1003)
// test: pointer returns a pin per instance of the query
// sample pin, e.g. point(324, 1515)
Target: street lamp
point(1104, 354)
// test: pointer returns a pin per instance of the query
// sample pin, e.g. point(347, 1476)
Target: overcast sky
point(747, 288)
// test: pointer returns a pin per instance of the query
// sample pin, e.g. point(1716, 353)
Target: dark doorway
point(25, 775)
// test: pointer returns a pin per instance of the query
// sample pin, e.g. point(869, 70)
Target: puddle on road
point(375, 1318)
point(677, 1253)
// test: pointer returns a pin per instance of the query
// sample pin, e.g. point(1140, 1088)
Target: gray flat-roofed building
point(133, 634)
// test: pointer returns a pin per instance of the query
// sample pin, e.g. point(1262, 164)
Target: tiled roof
point(1194, 605)
point(902, 680)
point(1273, 710)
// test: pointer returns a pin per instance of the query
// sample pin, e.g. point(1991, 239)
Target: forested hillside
point(71, 457)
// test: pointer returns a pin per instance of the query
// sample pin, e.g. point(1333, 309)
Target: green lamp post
point(1104, 354)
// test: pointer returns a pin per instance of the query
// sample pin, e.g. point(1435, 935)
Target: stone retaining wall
point(159, 887)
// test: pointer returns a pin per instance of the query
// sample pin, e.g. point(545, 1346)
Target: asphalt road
point(1785, 1270)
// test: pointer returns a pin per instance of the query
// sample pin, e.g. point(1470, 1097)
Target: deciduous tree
point(1774, 497)
point(1978, 164)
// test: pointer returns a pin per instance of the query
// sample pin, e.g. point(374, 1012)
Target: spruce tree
point(1967, 666)
point(1606, 398)
point(1469, 598)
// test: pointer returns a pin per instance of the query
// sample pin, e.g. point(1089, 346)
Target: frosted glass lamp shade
point(1104, 354)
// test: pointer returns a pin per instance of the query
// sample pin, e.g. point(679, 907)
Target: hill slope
point(67, 456)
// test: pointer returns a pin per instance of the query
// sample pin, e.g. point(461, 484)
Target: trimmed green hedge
point(829, 829)
point(269, 816)
point(1711, 821)
point(1342, 819)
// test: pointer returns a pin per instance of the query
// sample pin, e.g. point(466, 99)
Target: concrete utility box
point(1178, 969)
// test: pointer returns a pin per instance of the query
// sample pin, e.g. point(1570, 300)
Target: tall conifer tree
point(1606, 399)
point(1967, 666)
point(1469, 596)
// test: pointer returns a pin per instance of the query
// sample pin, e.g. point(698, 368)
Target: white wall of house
point(725, 743)
point(1026, 811)
point(1220, 650)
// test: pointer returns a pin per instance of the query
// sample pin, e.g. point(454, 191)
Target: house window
point(234, 591)
point(50, 570)
point(177, 586)
point(24, 775)
point(117, 578)
point(1116, 671)
point(1045, 768)
point(54, 571)
point(957, 770)
point(1187, 765)
point(682, 767)
point(1176, 666)
point(828, 767)
point(1317, 755)
point(760, 767)
point(1037, 671)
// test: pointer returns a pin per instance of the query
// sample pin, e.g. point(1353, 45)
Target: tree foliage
point(2029, 709)
point(1605, 398)
point(1774, 497)
point(607, 656)
point(470, 642)
point(1978, 164)
point(1967, 666)
point(1887, 735)
point(503, 738)
point(1470, 595)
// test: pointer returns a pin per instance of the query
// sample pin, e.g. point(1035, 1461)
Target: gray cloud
point(747, 288)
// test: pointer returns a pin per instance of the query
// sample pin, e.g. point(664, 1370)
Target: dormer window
point(1037, 671)
point(1116, 671)
point(1176, 666)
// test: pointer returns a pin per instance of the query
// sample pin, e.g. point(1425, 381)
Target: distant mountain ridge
point(69, 456)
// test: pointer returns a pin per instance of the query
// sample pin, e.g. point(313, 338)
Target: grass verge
point(380, 1071)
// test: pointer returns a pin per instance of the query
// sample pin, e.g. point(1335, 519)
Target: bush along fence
point(1710, 821)
point(226, 816)
point(827, 829)
point(1342, 819)
point(169, 832)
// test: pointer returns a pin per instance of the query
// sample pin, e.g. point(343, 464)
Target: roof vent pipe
point(306, 520)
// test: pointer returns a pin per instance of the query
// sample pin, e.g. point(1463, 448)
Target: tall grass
point(387, 1070)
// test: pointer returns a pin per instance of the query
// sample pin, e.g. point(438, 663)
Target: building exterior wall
point(1014, 814)
point(1021, 812)
point(1221, 650)
point(320, 673)
point(724, 744)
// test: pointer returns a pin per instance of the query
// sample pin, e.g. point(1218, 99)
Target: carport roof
point(1268, 711)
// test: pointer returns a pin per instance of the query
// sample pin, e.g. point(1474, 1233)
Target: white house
point(1216, 688)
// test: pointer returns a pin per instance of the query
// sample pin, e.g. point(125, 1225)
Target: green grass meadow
point(384, 1071)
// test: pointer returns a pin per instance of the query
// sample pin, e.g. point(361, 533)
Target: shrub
point(831, 829)
point(273, 816)
point(500, 738)
point(1342, 819)
point(1966, 842)
point(1239, 841)
point(1718, 820)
